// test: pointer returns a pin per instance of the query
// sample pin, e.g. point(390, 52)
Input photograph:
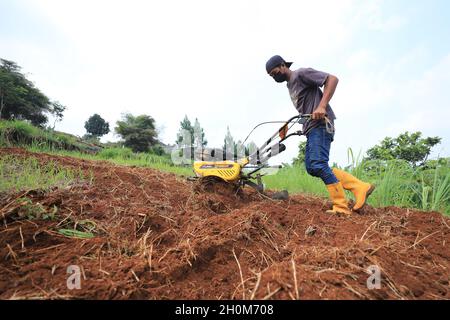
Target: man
point(304, 87)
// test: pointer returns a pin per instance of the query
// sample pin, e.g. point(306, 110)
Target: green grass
point(395, 186)
point(397, 183)
point(295, 179)
point(433, 196)
point(24, 174)
point(15, 133)
point(122, 156)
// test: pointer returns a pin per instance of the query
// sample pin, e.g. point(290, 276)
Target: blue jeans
point(317, 154)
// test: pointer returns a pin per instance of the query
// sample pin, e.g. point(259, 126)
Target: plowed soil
point(159, 236)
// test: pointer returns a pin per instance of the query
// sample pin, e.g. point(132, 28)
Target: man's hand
point(319, 113)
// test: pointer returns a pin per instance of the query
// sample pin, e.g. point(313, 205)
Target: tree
point(189, 138)
point(300, 159)
point(96, 126)
point(139, 133)
point(57, 110)
point(407, 146)
point(185, 136)
point(20, 99)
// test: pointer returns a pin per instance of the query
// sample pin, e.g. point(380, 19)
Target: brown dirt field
point(158, 236)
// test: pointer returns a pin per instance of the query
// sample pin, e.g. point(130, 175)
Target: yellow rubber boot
point(337, 195)
point(361, 190)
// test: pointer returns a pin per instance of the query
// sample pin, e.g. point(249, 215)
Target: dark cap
point(275, 61)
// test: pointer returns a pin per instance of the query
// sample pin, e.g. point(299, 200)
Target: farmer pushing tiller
point(215, 166)
point(317, 118)
point(304, 88)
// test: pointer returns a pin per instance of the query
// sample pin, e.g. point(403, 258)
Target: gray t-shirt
point(304, 88)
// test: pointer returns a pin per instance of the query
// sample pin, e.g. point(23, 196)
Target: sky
point(206, 60)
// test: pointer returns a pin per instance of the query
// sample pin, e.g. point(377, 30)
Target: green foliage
point(122, 156)
point(139, 133)
point(407, 146)
point(437, 163)
point(157, 149)
point(189, 138)
point(433, 195)
point(91, 138)
point(185, 136)
point(397, 184)
point(127, 156)
point(109, 144)
point(29, 210)
point(114, 153)
point(96, 126)
point(300, 159)
point(295, 179)
point(57, 110)
point(185, 140)
point(21, 100)
point(21, 133)
point(71, 233)
point(19, 174)
point(392, 186)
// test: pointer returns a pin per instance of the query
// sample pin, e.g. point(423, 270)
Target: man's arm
point(328, 92)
